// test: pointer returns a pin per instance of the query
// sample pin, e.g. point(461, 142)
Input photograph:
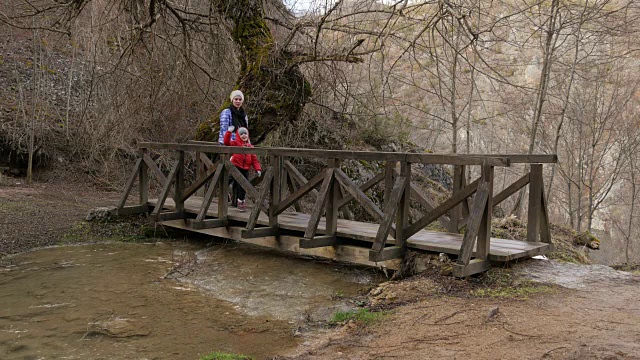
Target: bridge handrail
point(459, 159)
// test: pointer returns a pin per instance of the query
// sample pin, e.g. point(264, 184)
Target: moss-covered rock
point(587, 239)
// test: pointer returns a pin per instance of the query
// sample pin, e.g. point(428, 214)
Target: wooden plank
point(260, 232)
point(364, 187)
point(318, 241)
point(366, 203)
point(316, 212)
point(390, 210)
point(530, 158)
point(255, 212)
point(469, 239)
point(208, 197)
point(465, 159)
point(130, 210)
point(484, 233)
point(511, 189)
point(297, 176)
point(132, 178)
point(207, 223)
point(457, 159)
point(154, 168)
point(388, 253)
point(442, 208)
point(165, 189)
point(475, 266)
point(198, 183)
point(302, 191)
point(535, 202)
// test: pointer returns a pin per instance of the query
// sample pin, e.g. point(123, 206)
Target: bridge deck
point(501, 250)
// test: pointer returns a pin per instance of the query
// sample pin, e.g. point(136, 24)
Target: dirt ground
point(599, 321)
point(44, 213)
point(587, 311)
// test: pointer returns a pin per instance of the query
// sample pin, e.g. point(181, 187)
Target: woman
point(233, 115)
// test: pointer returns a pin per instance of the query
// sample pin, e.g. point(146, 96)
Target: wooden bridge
point(277, 220)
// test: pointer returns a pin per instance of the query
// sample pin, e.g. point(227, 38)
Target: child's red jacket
point(243, 161)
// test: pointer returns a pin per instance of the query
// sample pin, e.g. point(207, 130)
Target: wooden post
point(283, 177)
point(316, 212)
point(143, 179)
point(274, 196)
point(535, 202)
point(179, 189)
point(389, 169)
point(545, 229)
point(331, 212)
point(473, 227)
point(199, 172)
point(208, 197)
point(456, 212)
point(223, 192)
point(402, 217)
point(484, 233)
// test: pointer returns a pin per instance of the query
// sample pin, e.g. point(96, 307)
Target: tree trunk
point(545, 73)
point(566, 99)
point(274, 87)
point(633, 203)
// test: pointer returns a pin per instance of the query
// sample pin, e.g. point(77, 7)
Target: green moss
point(224, 356)
point(363, 316)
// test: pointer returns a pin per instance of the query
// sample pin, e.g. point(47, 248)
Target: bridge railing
point(283, 186)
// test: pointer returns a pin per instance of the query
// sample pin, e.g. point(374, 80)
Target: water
point(123, 301)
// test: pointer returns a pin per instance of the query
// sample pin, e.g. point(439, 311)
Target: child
point(243, 162)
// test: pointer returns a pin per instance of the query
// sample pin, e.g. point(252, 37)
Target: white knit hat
point(236, 93)
point(243, 130)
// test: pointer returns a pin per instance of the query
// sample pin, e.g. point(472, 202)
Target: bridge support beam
point(474, 266)
point(259, 232)
point(318, 241)
point(388, 253)
point(207, 224)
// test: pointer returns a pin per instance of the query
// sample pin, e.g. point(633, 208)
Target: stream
point(166, 300)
